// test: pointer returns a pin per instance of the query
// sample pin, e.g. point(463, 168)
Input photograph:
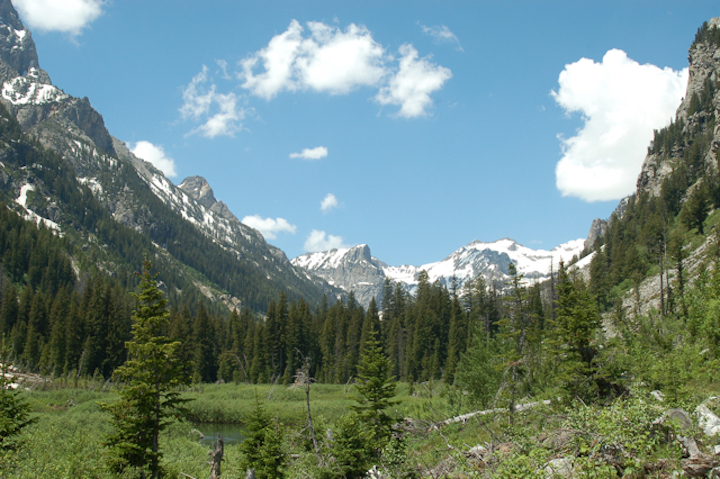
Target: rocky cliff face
point(199, 189)
point(704, 62)
point(17, 50)
point(350, 269)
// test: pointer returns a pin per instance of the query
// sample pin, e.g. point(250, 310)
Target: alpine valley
point(498, 361)
point(202, 249)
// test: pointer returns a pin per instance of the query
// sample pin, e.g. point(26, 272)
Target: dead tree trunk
point(216, 456)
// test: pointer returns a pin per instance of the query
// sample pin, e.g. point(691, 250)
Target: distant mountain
point(197, 237)
point(355, 269)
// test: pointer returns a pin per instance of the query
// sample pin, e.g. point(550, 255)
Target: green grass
point(66, 439)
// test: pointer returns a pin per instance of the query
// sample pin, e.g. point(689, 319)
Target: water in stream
point(231, 433)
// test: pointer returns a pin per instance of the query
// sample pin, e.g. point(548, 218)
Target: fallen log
point(463, 418)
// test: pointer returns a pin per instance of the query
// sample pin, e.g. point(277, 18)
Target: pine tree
point(14, 410)
point(205, 358)
point(367, 430)
point(375, 389)
point(514, 333)
point(262, 448)
point(574, 327)
point(150, 377)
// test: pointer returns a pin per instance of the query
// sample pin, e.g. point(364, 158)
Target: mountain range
point(199, 242)
point(355, 269)
point(202, 248)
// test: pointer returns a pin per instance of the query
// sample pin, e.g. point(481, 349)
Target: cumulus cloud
point(269, 227)
point(218, 112)
point(338, 61)
point(156, 155)
point(411, 86)
point(320, 241)
point(328, 203)
point(68, 16)
point(311, 153)
point(442, 34)
point(621, 103)
point(329, 60)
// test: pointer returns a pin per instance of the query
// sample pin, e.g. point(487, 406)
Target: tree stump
point(216, 456)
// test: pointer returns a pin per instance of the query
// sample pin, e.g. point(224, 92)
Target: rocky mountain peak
point(199, 189)
point(18, 55)
point(359, 253)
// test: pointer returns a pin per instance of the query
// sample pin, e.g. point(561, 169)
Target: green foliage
point(149, 395)
point(573, 337)
point(624, 432)
point(14, 409)
point(363, 434)
point(478, 373)
point(708, 35)
point(375, 389)
point(263, 448)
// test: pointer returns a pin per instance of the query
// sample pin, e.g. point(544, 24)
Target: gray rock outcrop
point(199, 189)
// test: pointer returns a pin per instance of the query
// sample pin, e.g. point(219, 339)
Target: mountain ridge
point(355, 269)
point(121, 181)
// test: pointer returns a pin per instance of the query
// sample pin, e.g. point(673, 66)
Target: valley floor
point(623, 438)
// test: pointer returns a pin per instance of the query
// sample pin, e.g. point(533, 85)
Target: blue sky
point(414, 127)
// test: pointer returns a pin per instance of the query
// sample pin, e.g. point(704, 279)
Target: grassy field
point(66, 439)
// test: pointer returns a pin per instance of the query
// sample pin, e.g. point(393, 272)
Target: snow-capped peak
point(355, 269)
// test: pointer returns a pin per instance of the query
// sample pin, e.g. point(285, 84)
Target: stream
point(231, 433)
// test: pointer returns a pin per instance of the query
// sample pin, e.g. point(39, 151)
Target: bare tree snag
point(216, 457)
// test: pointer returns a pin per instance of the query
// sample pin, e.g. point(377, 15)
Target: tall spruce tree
point(150, 379)
point(368, 429)
point(574, 328)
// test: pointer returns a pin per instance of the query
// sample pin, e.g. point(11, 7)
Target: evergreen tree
point(457, 337)
point(262, 448)
point(150, 377)
point(368, 429)
point(14, 410)
point(575, 325)
point(514, 333)
point(477, 372)
point(205, 358)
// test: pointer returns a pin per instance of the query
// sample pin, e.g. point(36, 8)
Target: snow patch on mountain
point(30, 215)
point(354, 269)
point(25, 90)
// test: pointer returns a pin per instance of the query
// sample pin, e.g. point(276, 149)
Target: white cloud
point(269, 227)
point(320, 241)
point(278, 59)
point(621, 102)
point(336, 62)
point(328, 203)
point(329, 60)
point(442, 34)
point(218, 111)
point(67, 16)
point(156, 155)
point(311, 153)
point(411, 86)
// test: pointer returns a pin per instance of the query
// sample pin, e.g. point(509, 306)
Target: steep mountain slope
point(357, 270)
point(659, 238)
point(201, 238)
